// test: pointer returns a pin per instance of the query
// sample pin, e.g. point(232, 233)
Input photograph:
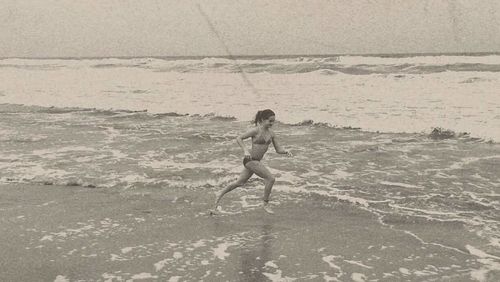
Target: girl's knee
point(238, 184)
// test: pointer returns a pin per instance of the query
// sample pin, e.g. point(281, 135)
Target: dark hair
point(262, 115)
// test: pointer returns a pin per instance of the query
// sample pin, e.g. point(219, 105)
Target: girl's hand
point(288, 154)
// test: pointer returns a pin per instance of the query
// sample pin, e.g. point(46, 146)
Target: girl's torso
point(260, 144)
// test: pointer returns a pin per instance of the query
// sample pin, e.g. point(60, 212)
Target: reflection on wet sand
point(254, 258)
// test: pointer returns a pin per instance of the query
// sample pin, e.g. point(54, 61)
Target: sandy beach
point(57, 233)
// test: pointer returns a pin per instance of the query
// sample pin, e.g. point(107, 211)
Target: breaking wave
point(327, 65)
point(435, 132)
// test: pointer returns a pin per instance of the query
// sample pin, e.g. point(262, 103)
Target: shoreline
point(58, 233)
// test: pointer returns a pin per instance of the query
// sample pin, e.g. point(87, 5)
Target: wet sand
point(57, 233)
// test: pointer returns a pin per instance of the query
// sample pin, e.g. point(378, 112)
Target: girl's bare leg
point(243, 178)
point(262, 171)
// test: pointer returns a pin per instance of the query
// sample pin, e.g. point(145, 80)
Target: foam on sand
point(358, 264)
point(248, 246)
point(358, 277)
point(330, 260)
point(144, 275)
point(161, 264)
point(490, 263)
point(404, 185)
point(220, 250)
point(61, 278)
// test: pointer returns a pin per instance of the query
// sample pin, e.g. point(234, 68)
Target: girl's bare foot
point(216, 210)
point(267, 208)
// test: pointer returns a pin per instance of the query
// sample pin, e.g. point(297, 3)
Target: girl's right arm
point(250, 133)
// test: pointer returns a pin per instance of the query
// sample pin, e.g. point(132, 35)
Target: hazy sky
point(62, 28)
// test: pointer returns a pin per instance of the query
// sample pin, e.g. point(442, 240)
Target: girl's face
point(267, 123)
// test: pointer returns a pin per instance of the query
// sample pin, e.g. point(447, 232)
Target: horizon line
point(389, 55)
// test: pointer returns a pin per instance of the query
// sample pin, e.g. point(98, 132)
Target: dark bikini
point(258, 140)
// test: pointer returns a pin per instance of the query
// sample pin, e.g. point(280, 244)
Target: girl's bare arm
point(248, 134)
point(278, 147)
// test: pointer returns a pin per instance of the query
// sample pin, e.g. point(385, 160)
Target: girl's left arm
point(278, 147)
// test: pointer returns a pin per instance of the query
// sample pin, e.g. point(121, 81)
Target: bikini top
point(261, 140)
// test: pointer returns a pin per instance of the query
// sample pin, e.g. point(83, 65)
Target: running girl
point(262, 137)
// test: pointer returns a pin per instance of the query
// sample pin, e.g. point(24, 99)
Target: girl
point(262, 137)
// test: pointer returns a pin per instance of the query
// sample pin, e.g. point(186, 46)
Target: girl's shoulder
point(253, 131)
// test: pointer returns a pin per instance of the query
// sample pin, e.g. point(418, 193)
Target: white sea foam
point(354, 200)
point(431, 212)
point(422, 273)
point(332, 193)
point(278, 276)
point(220, 250)
point(110, 277)
point(421, 60)
point(404, 185)
point(328, 278)
point(61, 278)
point(479, 274)
point(469, 160)
point(133, 178)
point(53, 153)
point(330, 260)
point(115, 257)
point(358, 277)
point(161, 264)
point(404, 271)
point(495, 242)
point(143, 275)
point(271, 264)
point(199, 243)
point(287, 176)
point(245, 204)
point(490, 263)
point(170, 163)
point(47, 238)
point(479, 253)
point(39, 171)
point(127, 250)
point(358, 263)
point(311, 174)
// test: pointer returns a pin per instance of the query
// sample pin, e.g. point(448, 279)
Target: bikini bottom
point(246, 160)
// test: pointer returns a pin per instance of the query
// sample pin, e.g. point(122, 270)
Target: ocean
point(386, 94)
point(409, 139)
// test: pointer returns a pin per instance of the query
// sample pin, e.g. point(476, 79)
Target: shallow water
point(401, 179)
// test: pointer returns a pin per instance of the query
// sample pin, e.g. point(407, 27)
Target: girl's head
point(266, 117)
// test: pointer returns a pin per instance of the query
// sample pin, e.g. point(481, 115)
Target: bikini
point(260, 141)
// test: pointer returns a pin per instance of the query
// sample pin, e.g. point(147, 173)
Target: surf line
point(226, 48)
